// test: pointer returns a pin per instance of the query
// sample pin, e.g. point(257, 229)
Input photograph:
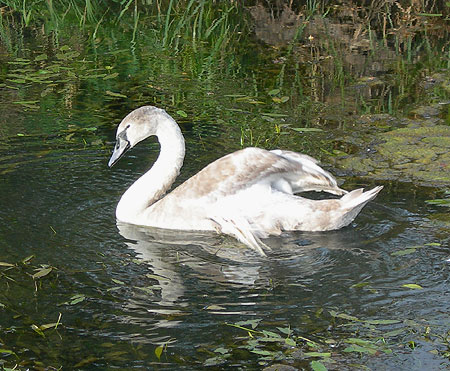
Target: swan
point(248, 194)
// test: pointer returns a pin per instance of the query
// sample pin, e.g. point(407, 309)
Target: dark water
point(143, 287)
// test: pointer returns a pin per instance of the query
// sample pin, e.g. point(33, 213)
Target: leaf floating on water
point(182, 113)
point(48, 325)
point(404, 252)
point(149, 289)
point(344, 316)
point(37, 330)
point(7, 351)
point(253, 323)
point(394, 332)
point(115, 288)
point(318, 366)
point(42, 272)
point(382, 321)
point(262, 352)
point(317, 354)
point(27, 259)
point(118, 282)
point(116, 355)
point(221, 350)
point(111, 76)
point(3, 264)
point(214, 361)
point(271, 334)
point(155, 276)
point(86, 361)
point(439, 202)
point(116, 95)
point(77, 299)
point(69, 136)
point(413, 286)
point(290, 342)
point(304, 130)
point(158, 351)
point(274, 92)
point(359, 349)
point(285, 330)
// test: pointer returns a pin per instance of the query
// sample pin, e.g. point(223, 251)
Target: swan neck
point(151, 186)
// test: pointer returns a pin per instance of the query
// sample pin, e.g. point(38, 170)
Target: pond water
point(138, 288)
point(78, 290)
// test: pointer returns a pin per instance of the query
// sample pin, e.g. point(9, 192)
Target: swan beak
point(122, 145)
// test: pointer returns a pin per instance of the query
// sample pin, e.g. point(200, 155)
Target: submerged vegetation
point(312, 76)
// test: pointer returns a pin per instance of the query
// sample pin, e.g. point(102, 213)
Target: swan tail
point(242, 231)
point(352, 203)
point(358, 198)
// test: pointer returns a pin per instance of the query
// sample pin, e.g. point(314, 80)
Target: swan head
point(135, 127)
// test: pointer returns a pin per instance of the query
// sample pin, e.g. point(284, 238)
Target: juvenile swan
point(248, 194)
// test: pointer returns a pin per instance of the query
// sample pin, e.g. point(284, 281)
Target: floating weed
point(439, 202)
point(404, 252)
point(317, 366)
point(412, 286)
point(42, 272)
point(75, 299)
point(9, 352)
point(182, 113)
point(413, 249)
point(115, 95)
point(4, 264)
point(360, 285)
point(306, 130)
point(160, 349)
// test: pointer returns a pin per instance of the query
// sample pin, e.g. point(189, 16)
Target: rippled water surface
point(143, 287)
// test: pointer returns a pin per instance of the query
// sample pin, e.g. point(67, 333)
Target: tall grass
point(177, 26)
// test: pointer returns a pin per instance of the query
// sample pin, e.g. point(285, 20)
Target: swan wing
point(285, 171)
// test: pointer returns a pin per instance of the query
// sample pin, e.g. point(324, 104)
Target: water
point(117, 292)
point(143, 287)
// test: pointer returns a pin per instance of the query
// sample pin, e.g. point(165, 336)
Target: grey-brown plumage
point(248, 194)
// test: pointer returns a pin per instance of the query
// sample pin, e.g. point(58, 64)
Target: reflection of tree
point(392, 21)
point(331, 46)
